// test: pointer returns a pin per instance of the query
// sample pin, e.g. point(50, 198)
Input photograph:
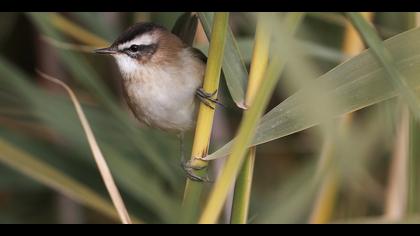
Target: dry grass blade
point(46, 174)
point(99, 159)
point(75, 31)
point(67, 46)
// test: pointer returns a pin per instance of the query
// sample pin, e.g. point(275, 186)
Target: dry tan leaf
point(97, 154)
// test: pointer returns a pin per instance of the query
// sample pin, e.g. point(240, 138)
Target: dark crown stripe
point(136, 30)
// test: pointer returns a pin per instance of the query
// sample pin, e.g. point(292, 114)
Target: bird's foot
point(189, 169)
point(207, 98)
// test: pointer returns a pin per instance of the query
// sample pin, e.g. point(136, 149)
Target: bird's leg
point(187, 165)
point(181, 145)
point(207, 98)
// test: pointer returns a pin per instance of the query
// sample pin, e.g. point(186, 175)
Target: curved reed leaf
point(103, 168)
point(234, 69)
point(185, 27)
point(374, 42)
point(356, 83)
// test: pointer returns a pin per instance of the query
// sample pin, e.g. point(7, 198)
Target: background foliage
point(47, 174)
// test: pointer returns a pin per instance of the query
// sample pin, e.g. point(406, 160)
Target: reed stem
point(203, 129)
point(327, 196)
point(242, 192)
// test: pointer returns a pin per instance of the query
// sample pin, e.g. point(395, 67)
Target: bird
point(162, 79)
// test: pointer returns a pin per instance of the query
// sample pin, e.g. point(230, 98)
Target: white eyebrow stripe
point(145, 39)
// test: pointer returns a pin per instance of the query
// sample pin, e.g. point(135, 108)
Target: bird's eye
point(134, 48)
point(140, 50)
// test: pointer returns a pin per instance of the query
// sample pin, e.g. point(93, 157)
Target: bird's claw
point(207, 98)
point(189, 170)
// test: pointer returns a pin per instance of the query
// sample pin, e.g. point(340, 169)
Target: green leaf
point(322, 52)
point(185, 27)
point(233, 67)
point(385, 58)
point(355, 84)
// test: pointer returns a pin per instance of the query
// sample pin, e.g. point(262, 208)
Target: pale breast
point(164, 97)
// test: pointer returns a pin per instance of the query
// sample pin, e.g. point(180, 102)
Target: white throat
point(128, 66)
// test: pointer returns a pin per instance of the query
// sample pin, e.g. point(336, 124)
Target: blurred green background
point(47, 173)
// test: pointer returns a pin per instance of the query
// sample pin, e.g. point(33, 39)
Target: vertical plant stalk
point(242, 192)
point(413, 204)
point(246, 131)
point(326, 199)
point(205, 117)
point(353, 44)
point(97, 154)
point(247, 128)
point(396, 196)
point(401, 191)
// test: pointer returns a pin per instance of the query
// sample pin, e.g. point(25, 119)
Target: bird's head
point(144, 45)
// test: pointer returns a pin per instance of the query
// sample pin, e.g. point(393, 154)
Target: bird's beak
point(109, 50)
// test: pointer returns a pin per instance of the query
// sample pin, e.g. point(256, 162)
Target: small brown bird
point(162, 79)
